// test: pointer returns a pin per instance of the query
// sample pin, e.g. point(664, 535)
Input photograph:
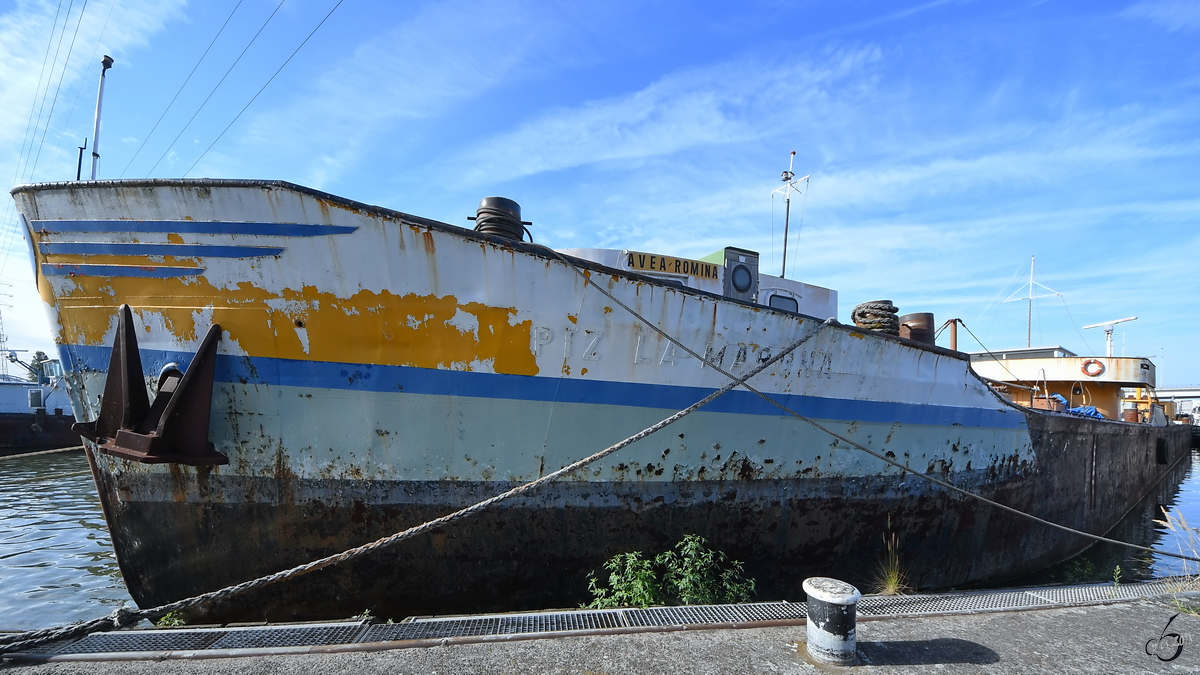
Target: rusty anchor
point(174, 429)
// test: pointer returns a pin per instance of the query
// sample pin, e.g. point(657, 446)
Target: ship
point(34, 413)
point(267, 374)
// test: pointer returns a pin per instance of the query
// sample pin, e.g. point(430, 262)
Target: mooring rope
point(883, 458)
point(124, 617)
point(41, 452)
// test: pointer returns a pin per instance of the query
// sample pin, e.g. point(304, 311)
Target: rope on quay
point(882, 458)
point(42, 452)
point(123, 617)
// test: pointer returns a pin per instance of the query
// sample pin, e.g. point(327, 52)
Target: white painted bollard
point(831, 619)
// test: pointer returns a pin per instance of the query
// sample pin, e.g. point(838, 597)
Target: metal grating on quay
point(160, 643)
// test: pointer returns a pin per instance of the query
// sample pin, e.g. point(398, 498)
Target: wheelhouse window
point(783, 302)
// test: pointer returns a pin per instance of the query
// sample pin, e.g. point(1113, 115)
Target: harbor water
point(57, 563)
point(56, 559)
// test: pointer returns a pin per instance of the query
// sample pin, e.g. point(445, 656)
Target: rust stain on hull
point(536, 552)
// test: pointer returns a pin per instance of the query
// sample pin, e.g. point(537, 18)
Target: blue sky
point(948, 142)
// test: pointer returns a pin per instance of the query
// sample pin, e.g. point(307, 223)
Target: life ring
point(1093, 368)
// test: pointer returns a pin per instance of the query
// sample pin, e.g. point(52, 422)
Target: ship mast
point(105, 64)
point(1030, 298)
point(789, 185)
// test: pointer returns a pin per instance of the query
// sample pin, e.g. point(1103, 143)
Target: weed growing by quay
point(690, 574)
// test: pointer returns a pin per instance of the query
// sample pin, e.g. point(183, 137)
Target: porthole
point(742, 278)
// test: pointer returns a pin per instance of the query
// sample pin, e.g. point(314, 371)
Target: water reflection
point(56, 559)
point(1179, 491)
point(57, 563)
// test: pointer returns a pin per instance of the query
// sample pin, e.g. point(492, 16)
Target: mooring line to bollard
point(876, 455)
point(124, 617)
point(42, 452)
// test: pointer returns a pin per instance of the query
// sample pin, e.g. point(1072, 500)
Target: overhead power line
point(33, 103)
point(54, 102)
point(177, 93)
point(91, 59)
point(50, 76)
point(289, 60)
point(214, 89)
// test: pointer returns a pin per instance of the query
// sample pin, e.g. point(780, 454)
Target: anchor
point(174, 429)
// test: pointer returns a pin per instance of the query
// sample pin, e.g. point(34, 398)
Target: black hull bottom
point(178, 534)
point(30, 432)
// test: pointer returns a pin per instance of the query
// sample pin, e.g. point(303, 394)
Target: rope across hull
point(376, 370)
point(537, 551)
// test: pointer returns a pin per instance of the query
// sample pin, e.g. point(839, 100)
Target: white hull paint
point(363, 347)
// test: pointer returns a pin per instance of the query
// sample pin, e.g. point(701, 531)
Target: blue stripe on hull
point(192, 227)
point(136, 271)
point(177, 250)
point(367, 377)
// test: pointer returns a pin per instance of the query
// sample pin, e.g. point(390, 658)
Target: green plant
point(1079, 571)
point(691, 574)
point(1116, 579)
point(169, 619)
point(1187, 540)
point(632, 582)
point(889, 578)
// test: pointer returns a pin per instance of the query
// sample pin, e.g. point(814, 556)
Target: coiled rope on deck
point(877, 315)
point(125, 617)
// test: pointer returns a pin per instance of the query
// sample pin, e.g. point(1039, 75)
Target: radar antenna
point(1108, 331)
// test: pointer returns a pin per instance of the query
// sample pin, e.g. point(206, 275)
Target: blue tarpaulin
point(1084, 410)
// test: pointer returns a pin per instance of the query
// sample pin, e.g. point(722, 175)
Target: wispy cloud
point(25, 31)
point(732, 103)
point(1174, 15)
point(391, 85)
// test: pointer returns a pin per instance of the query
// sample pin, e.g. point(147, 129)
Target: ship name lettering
point(713, 355)
point(672, 265)
point(668, 357)
point(592, 353)
point(539, 337)
point(638, 358)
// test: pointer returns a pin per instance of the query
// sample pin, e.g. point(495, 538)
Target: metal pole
point(1029, 316)
point(787, 210)
point(79, 164)
point(954, 334)
point(105, 64)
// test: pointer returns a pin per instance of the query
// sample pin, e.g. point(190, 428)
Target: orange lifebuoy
point(1093, 368)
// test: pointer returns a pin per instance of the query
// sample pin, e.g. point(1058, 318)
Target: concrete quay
point(1098, 638)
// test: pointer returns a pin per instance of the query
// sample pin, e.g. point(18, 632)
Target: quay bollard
point(831, 619)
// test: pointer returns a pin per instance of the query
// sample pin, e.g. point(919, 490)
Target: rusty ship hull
point(375, 370)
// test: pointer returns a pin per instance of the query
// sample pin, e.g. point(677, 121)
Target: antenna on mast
point(790, 183)
point(1030, 298)
point(1108, 331)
